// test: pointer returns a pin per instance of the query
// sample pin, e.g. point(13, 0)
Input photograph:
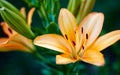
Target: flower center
point(72, 44)
point(83, 40)
point(78, 47)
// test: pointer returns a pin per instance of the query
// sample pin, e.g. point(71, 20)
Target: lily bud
point(15, 19)
point(85, 8)
point(80, 8)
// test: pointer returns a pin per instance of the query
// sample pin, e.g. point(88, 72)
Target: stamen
point(66, 37)
point(73, 43)
point(10, 30)
point(86, 36)
point(82, 30)
point(74, 57)
point(82, 47)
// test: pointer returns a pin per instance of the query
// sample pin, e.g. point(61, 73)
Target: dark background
point(21, 63)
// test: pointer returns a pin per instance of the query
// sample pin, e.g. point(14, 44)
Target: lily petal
point(23, 12)
point(54, 42)
point(106, 40)
point(15, 43)
point(67, 24)
point(64, 59)
point(3, 40)
point(29, 16)
point(7, 30)
point(25, 42)
point(93, 57)
point(91, 26)
point(12, 47)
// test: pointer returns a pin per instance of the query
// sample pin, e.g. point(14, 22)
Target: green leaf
point(52, 28)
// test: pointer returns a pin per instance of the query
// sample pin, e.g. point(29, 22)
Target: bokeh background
point(21, 63)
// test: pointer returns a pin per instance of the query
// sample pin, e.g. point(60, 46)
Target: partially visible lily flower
point(79, 42)
point(15, 41)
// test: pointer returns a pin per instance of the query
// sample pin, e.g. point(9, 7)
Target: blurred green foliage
point(19, 63)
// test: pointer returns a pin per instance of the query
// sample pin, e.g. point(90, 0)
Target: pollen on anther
point(10, 30)
point(66, 37)
point(86, 36)
point(73, 43)
point(82, 47)
point(82, 30)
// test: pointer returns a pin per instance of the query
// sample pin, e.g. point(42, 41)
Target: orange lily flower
point(79, 42)
point(15, 41)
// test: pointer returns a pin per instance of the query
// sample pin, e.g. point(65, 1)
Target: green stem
point(70, 70)
point(40, 57)
point(52, 10)
point(70, 4)
point(43, 13)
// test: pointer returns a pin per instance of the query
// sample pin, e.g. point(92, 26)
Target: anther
point(86, 36)
point(10, 30)
point(66, 37)
point(73, 43)
point(75, 32)
point(82, 30)
point(82, 47)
